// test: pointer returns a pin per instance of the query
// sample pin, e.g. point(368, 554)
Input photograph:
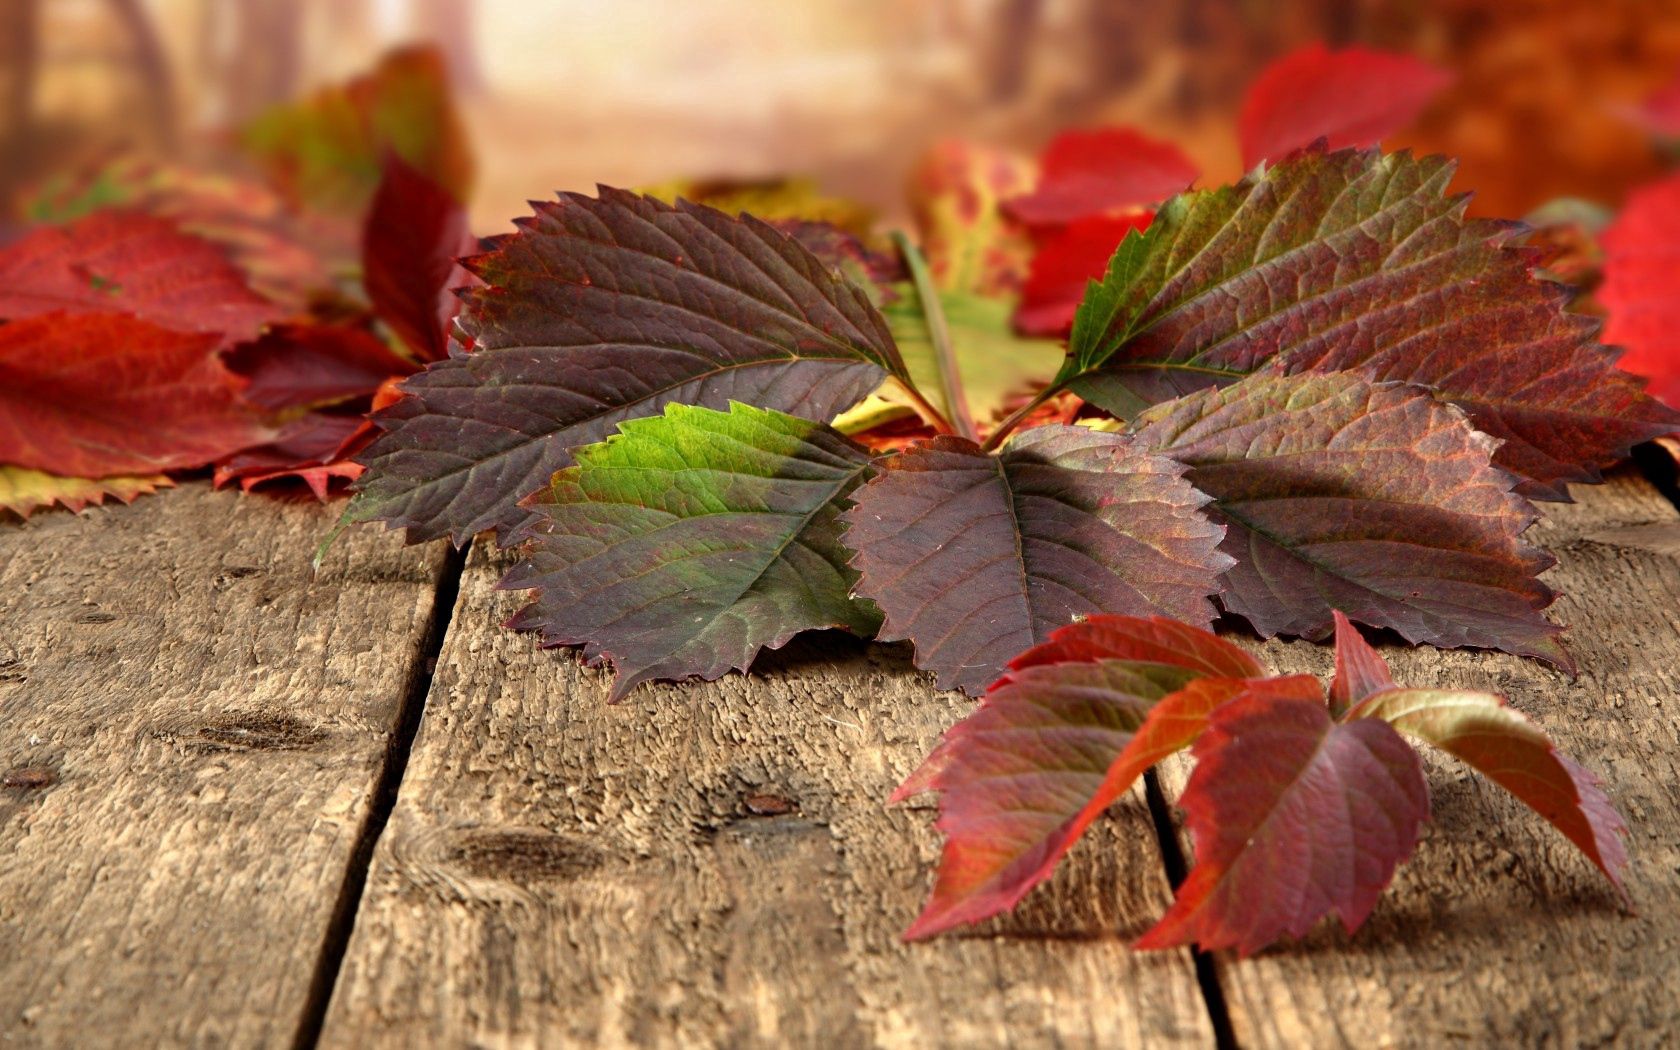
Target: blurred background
point(561, 94)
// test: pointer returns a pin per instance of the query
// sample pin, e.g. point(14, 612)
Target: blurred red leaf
point(124, 262)
point(297, 365)
point(1641, 287)
point(415, 232)
point(1660, 112)
point(1065, 262)
point(100, 394)
point(1090, 173)
point(1355, 97)
point(1294, 816)
point(311, 449)
point(956, 193)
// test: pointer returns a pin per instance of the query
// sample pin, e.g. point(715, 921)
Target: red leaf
point(1153, 639)
point(100, 394)
point(311, 449)
point(956, 190)
point(296, 365)
point(1086, 174)
point(1660, 112)
point(1052, 747)
point(1641, 289)
point(415, 232)
point(1507, 748)
point(1294, 816)
point(1066, 261)
point(1359, 670)
point(121, 262)
point(1355, 97)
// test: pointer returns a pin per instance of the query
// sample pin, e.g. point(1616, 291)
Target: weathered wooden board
point(1498, 933)
point(562, 872)
point(192, 727)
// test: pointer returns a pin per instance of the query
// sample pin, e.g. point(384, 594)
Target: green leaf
point(691, 541)
point(993, 362)
point(1360, 261)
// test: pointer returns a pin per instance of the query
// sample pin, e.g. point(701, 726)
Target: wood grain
point(563, 872)
point(1497, 932)
point(191, 729)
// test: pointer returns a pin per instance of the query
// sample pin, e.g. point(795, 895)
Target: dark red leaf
point(1293, 816)
point(310, 450)
point(122, 262)
point(297, 365)
point(415, 232)
point(1086, 174)
point(1376, 500)
point(1641, 287)
point(92, 395)
point(1152, 639)
point(1065, 262)
point(1355, 97)
point(975, 557)
point(602, 310)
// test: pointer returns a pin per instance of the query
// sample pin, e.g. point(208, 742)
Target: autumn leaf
point(1089, 173)
point(326, 152)
point(1357, 261)
point(1483, 730)
point(973, 557)
point(1056, 741)
point(124, 262)
point(415, 232)
point(956, 194)
point(775, 200)
point(309, 365)
point(1659, 113)
point(1294, 816)
point(603, 310)
point(1352, 97)
point(1373, 499)
point(1641, 287)
point(24, 491)
point(311, 449)
point(1064, 264)
point(691, 541)
point(94, 395)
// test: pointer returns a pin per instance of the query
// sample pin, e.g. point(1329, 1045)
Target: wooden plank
point(562, 872)
point(1497, 932)
point(192, 726)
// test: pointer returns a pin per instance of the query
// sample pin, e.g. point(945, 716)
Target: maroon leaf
point(1373, 499)
point(1293, 816)
point(415, 232)
point(1499, 742)
point(310, 449)
point(1357, 261)
point(1085, 174)
point(297, 365)
point(121, 262)
point(1359, 670)
point(1356, 97)
point(975, 557)
point(602, 310)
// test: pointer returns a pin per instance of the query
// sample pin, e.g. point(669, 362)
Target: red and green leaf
point(690, 542)
point(1376, 500)
point(72, 387)
point(1486, 733)
point(1090, 173)
point(1358, 261)
point(1065, 264)
point(1353, 97)
point(603, 310)
point(973, 557)
point(125, 262)
point(1294, 816)
point(957, 191)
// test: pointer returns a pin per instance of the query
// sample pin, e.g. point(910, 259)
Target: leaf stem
point(1013, 420)
point(939, 333)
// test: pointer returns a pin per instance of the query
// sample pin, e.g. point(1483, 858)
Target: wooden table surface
point(245, 804)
